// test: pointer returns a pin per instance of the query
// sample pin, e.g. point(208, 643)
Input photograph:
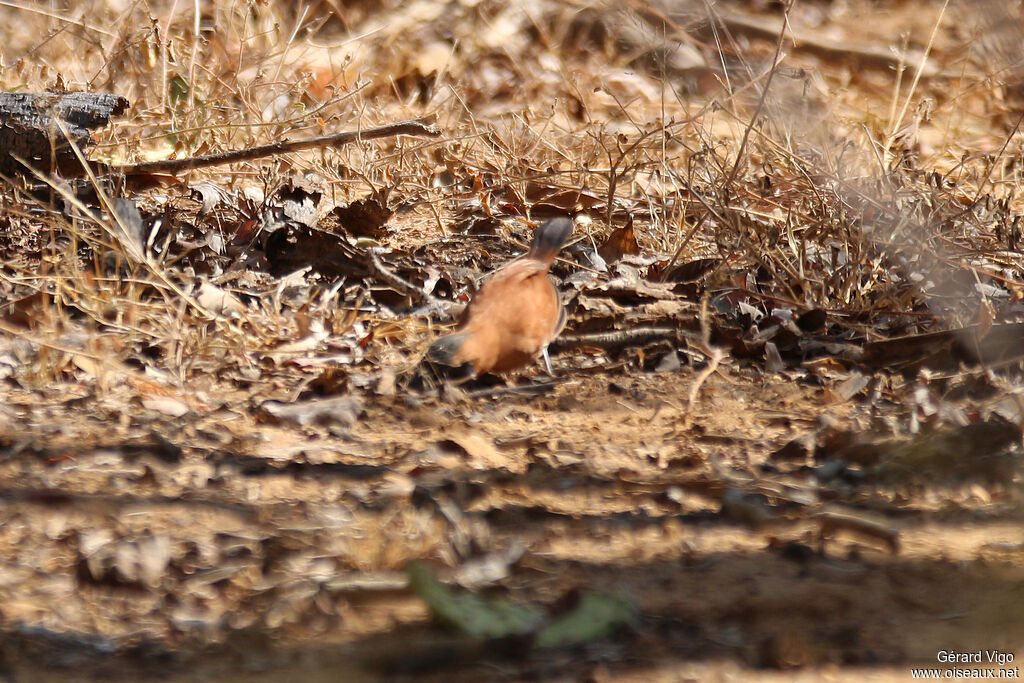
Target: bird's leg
point(547, 360)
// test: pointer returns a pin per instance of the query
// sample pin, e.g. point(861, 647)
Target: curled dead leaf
point(218, 301)
point(619, 243)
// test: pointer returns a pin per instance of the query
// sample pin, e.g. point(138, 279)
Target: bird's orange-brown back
point(514, 315)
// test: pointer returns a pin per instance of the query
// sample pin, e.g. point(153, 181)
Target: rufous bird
point(514, 315)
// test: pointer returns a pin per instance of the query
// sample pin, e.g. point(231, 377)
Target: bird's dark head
point(444, 360)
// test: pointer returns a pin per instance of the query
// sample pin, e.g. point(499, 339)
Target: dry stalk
point(413, 127)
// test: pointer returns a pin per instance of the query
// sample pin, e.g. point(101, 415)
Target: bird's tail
point(549, 238)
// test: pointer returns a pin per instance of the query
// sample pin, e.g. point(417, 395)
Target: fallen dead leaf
point(343, 410)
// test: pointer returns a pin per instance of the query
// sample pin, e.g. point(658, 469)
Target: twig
point(871, 56)
point(715, 356)
point(422, 126)
point(917, 78)
point(714, 353)
point(618, 339)
point(401, 285)
point(527, 389)
point(992, 166)
point(764, 96)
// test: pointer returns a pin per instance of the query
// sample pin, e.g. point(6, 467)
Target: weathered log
point(29, 128)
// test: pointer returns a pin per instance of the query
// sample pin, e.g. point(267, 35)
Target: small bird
point(515, 314)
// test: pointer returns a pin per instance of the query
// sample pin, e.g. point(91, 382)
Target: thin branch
point(776, 58)
point(917, 78)
point(422, 126)
point(618, 339)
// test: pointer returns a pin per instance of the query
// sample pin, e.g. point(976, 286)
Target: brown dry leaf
point(986, 316)
point(556, 201)
point(365, 217)
point(28, 311)
point(691, 271)
point(292, 247)
point(851, 386)
point(629, 285)
point(482, 453)
point(621, 242)
point(773, 360)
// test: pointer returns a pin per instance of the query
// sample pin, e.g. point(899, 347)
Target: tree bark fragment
point(29, 128)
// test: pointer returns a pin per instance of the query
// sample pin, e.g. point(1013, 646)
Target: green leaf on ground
point(475, 616)
point(597, 616)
